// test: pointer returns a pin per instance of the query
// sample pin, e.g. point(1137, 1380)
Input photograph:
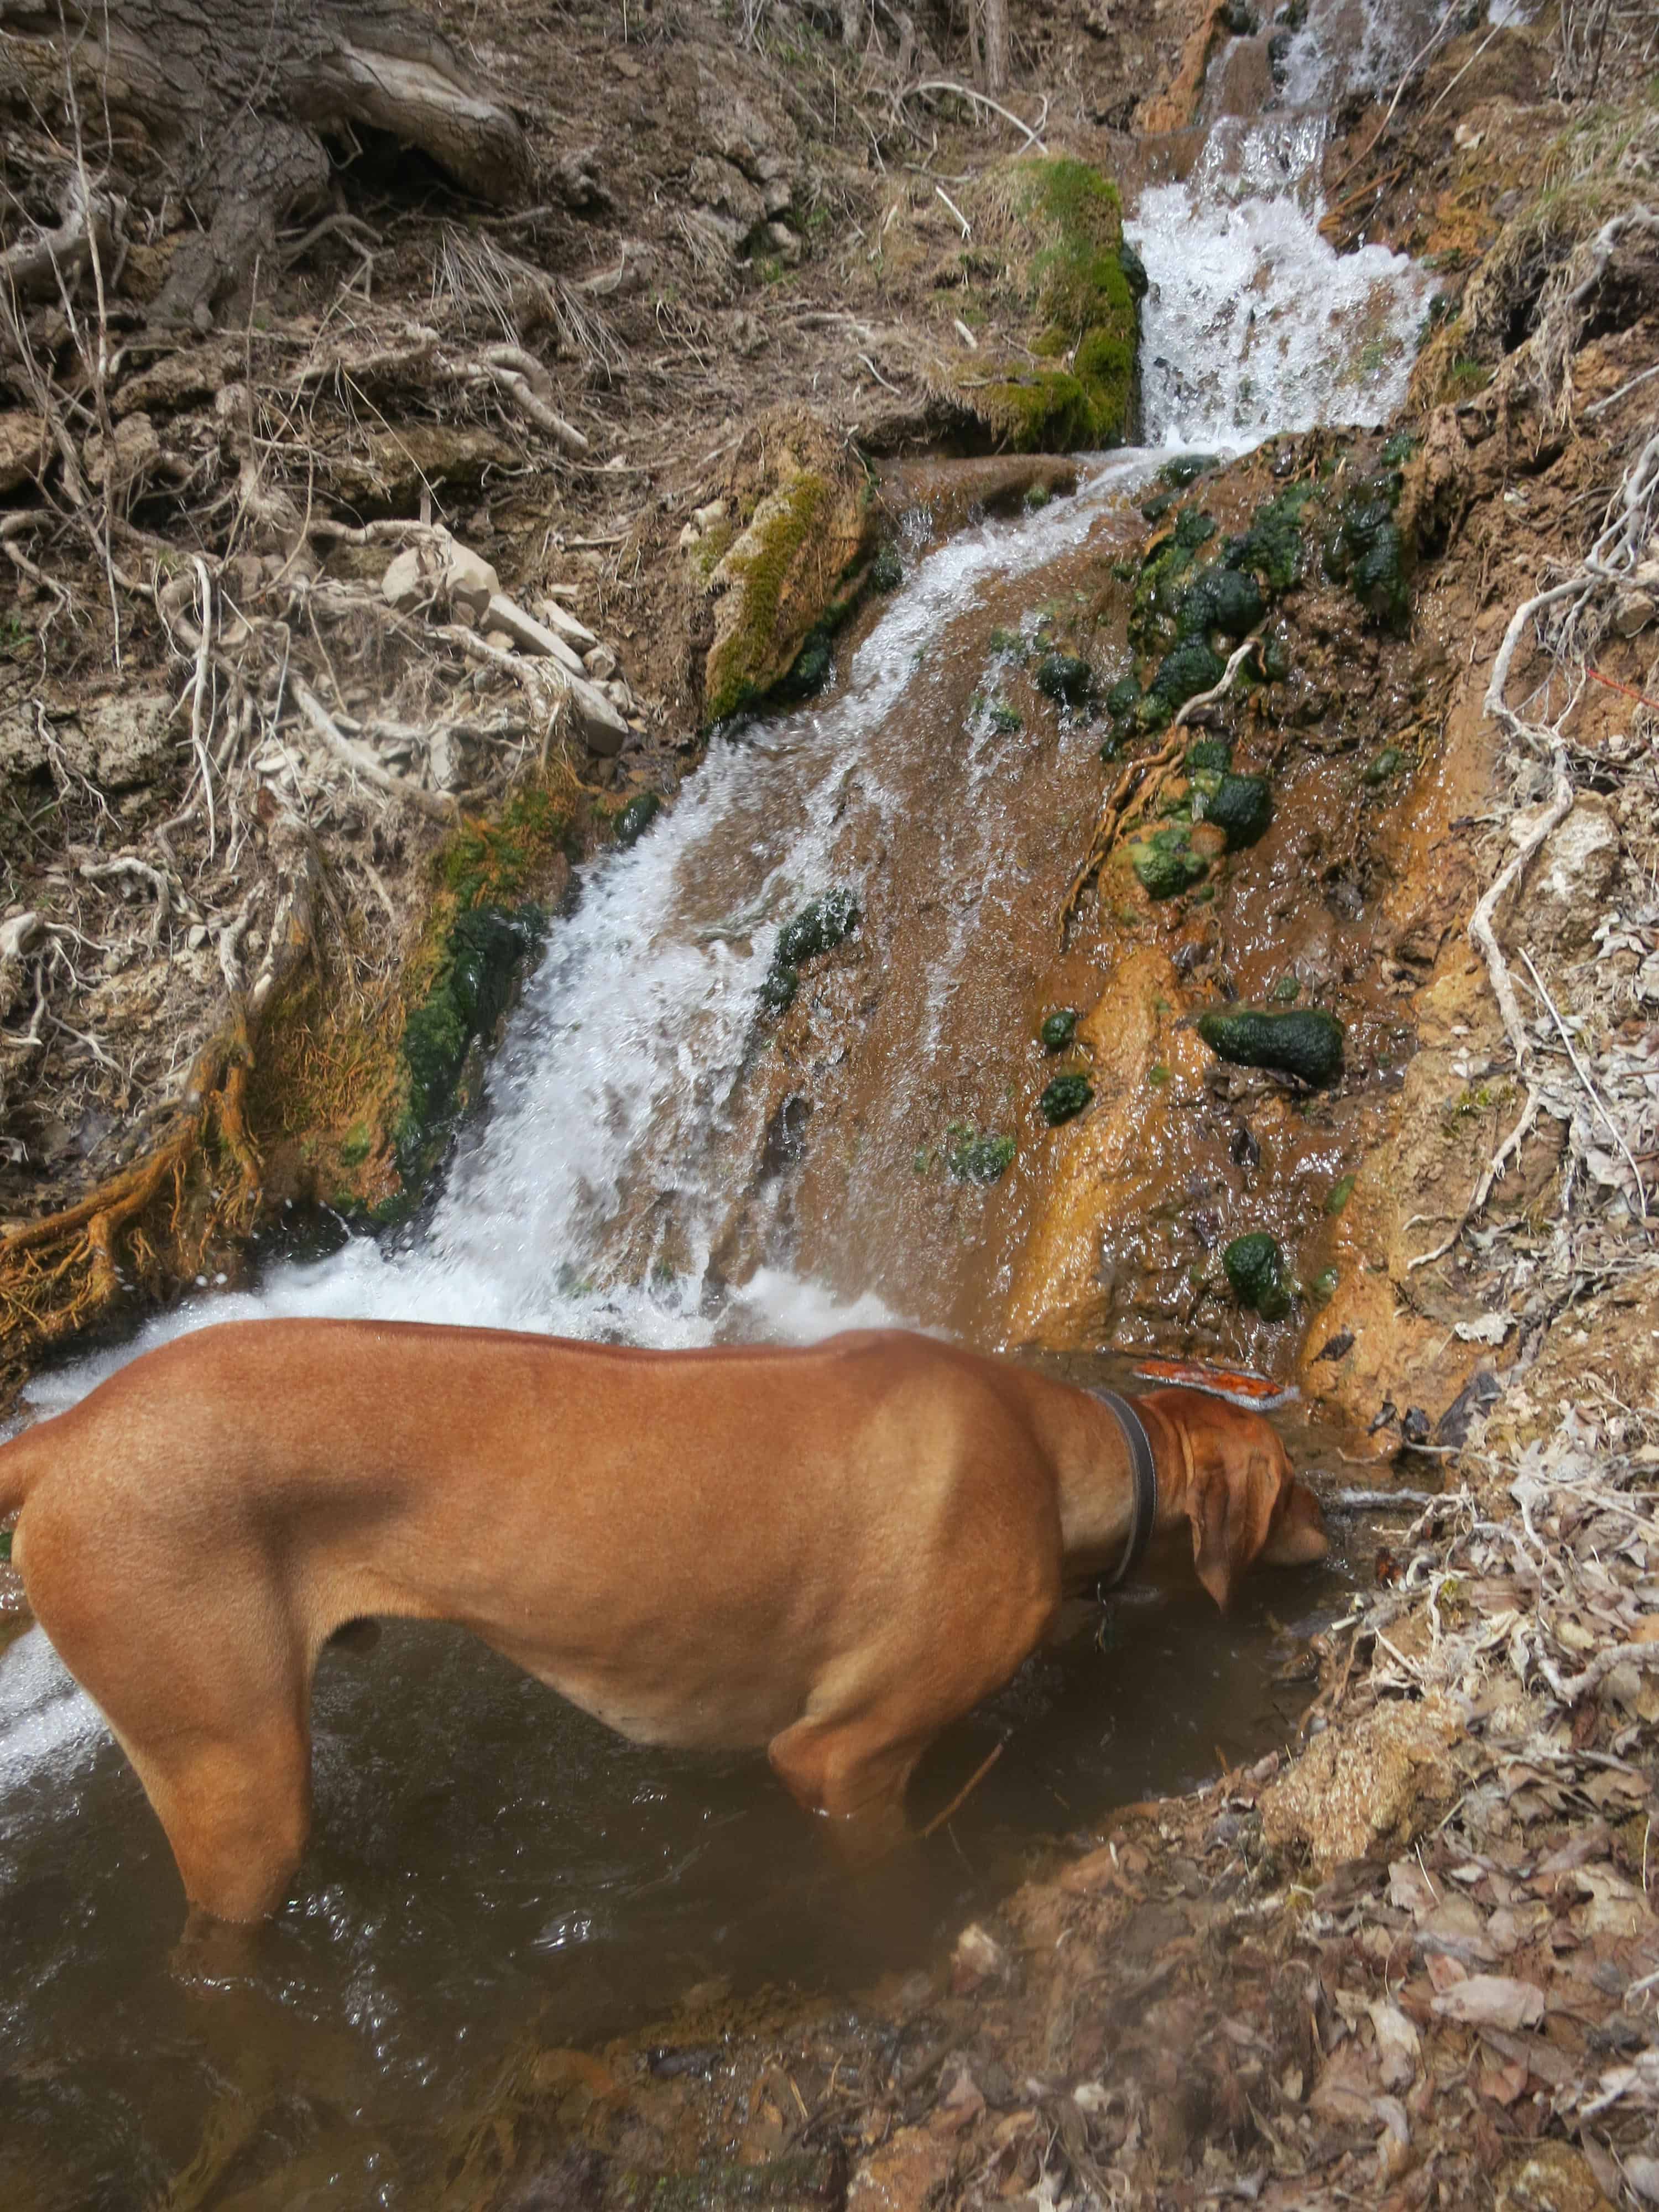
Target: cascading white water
point(1254, 323)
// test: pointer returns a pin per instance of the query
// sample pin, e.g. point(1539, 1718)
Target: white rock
point(529, 635)
point(707, 517)
point(560, 619)
point(600, 663)
point(1574, 878)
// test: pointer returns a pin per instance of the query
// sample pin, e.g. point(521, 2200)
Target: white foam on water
point(46, 1718)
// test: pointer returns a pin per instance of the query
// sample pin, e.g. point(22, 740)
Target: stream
point(490, 1870)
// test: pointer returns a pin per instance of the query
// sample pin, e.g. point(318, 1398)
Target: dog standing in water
point(831, 1552)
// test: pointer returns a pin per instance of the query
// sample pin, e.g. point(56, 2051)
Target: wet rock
point(777, 991)
point(903, 2175)
point(886, 570)
point(1226, 599)
point(1574, 878)
point(1254, 1266)
point(1056, 1030)
point(1185, 469)
point(1065, 1098)
point(1305, 1043)
point(637, 816)
point(1123, 698)
point(787, 575)
point(820, 925)
point(949, 492)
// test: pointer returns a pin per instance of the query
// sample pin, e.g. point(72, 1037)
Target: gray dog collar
point(1145, 1476)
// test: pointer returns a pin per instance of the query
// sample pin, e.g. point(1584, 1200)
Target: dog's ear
point(1243, 1501)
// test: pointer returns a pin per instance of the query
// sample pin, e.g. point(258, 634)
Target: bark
point(994, 21)
point(237, 96)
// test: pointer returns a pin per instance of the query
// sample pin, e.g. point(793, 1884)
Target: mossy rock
point(1123, 698)
point(1194, 528)
point(468, 995)
point(1275, 658)
point(820, 925)
point(1058, 1030)
point(1065, 678)
point(1306, 1042)
point(1065, 1098)
point(1370, 552)
point(1227, 599)
point(1242, 805)
point(1010, 645)
point(1064, 222)
point(636, 817)
point(793, 575)
point(972, 1157)
point(1387, 763)
point(1164, 861)
point(1187, 468)
point(1254, 1265)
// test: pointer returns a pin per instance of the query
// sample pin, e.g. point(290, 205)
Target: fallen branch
point(980, 98)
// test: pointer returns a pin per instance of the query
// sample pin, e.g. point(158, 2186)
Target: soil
point(1410, 1959)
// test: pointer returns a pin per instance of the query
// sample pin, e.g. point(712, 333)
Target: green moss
point(1065, 678)
point(1194, 528)
point(740, 668)
point(1227, 599)
point(1165, 862)
point(1213, 755)
point(1243, 806)
point(1058, 1029)
point(1399, 449)
point(1006, 720)
point(1192, 667)
point(356, 1144)
point(1339, 1194)
point(1065, 1098)
point(1038, 496)
point(1387, 763)
point(1287, 990)
point(1254, 1266)
point(1368, 551)
point(1306, 1042)
point(1009, 645)
point(1123, 698)
point(489, 863)
point(971, 1158)
point(1272, 548)
point(1082, 291)
point(777, 991)
point(468, 995)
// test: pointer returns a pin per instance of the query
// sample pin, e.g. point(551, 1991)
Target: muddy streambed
point(490, 1869)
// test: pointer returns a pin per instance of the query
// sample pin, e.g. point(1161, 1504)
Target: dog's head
point(1242, 1498)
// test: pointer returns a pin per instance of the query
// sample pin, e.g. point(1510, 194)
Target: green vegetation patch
point(1082, 291)
point(1058, 1030)
point(467, 997)
point(1243, 806)
point(822, 923)
point(1370, 552)
point(636, 817)
point(1065, 678)
point(1254, 1266)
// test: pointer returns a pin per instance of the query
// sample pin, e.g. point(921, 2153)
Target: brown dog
point(831, 1552)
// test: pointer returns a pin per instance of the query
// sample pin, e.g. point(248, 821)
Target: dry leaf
point(1492, 2001)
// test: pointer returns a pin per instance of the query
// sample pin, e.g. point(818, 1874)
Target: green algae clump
point(820, 925)
point(1243, 806)
point(1306, 1042)
point(1065, 1098)
point(971, 1158)
point(1190, 668)
point(1254, 1266)
point(1165, 863)
point(1227, 599)
point(636, 817)
point(1065, 678)
point(1058, 1030)
point(468, 995)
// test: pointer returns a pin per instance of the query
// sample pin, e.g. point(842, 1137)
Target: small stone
point(600, 663)
point(503, 641)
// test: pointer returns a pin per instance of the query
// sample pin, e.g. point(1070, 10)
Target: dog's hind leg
point(854, 1775)
point(236, 1811)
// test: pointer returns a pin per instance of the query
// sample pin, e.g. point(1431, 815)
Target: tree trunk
point(236, 96)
